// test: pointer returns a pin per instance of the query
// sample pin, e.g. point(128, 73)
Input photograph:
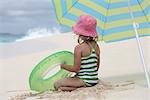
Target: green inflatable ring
point(36, 80)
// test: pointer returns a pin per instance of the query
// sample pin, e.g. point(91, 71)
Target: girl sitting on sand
point(86, 57)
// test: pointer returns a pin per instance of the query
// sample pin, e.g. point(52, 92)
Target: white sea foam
point(39, 32)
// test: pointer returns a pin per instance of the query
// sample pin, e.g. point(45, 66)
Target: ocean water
point(32, 33)
point(9, 37)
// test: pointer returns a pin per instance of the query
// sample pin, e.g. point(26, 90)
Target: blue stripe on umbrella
point(144, 25)
point(100, 31)
point(126, 16)
point(67, 28)
point(118, 29)
point(140, 1)
point(124, 28)
point(101, 3)
point(64, 8)
point(147, 10)
point(124, 4)
point(142, 35)
point(117, 4)
point(90, 11)
point(74, 1)
point(71, 17)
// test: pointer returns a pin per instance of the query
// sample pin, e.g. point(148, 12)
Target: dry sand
point(128, 87)
point(121, 69)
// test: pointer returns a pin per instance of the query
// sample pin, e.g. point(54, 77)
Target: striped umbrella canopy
point(113, 17)
point(116, 19)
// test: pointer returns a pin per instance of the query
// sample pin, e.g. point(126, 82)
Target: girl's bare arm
point(77, 61)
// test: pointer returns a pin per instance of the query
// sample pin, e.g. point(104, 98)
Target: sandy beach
point(121, 70)
point(128, 87)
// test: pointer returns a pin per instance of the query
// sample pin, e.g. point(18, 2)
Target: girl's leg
point(68, 88)
point(69, 84)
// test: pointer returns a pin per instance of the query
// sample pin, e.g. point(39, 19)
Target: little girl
point(86, 57)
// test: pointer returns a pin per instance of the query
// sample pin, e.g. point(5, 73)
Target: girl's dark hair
point(82, 39)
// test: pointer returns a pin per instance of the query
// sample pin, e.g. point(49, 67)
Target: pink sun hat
point(86, 26)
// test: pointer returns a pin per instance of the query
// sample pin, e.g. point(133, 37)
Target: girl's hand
point(62, 66)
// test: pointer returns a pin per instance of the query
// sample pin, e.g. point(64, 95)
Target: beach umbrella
point(116, 19)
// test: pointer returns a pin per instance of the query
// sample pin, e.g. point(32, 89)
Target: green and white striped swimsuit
point(88, 69)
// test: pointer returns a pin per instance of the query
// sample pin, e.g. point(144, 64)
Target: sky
point(18, 16)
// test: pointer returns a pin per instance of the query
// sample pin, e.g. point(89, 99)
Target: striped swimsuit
point(88, 69)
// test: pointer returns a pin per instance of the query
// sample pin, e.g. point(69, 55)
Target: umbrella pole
point(142, 55)
point(139, 47)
